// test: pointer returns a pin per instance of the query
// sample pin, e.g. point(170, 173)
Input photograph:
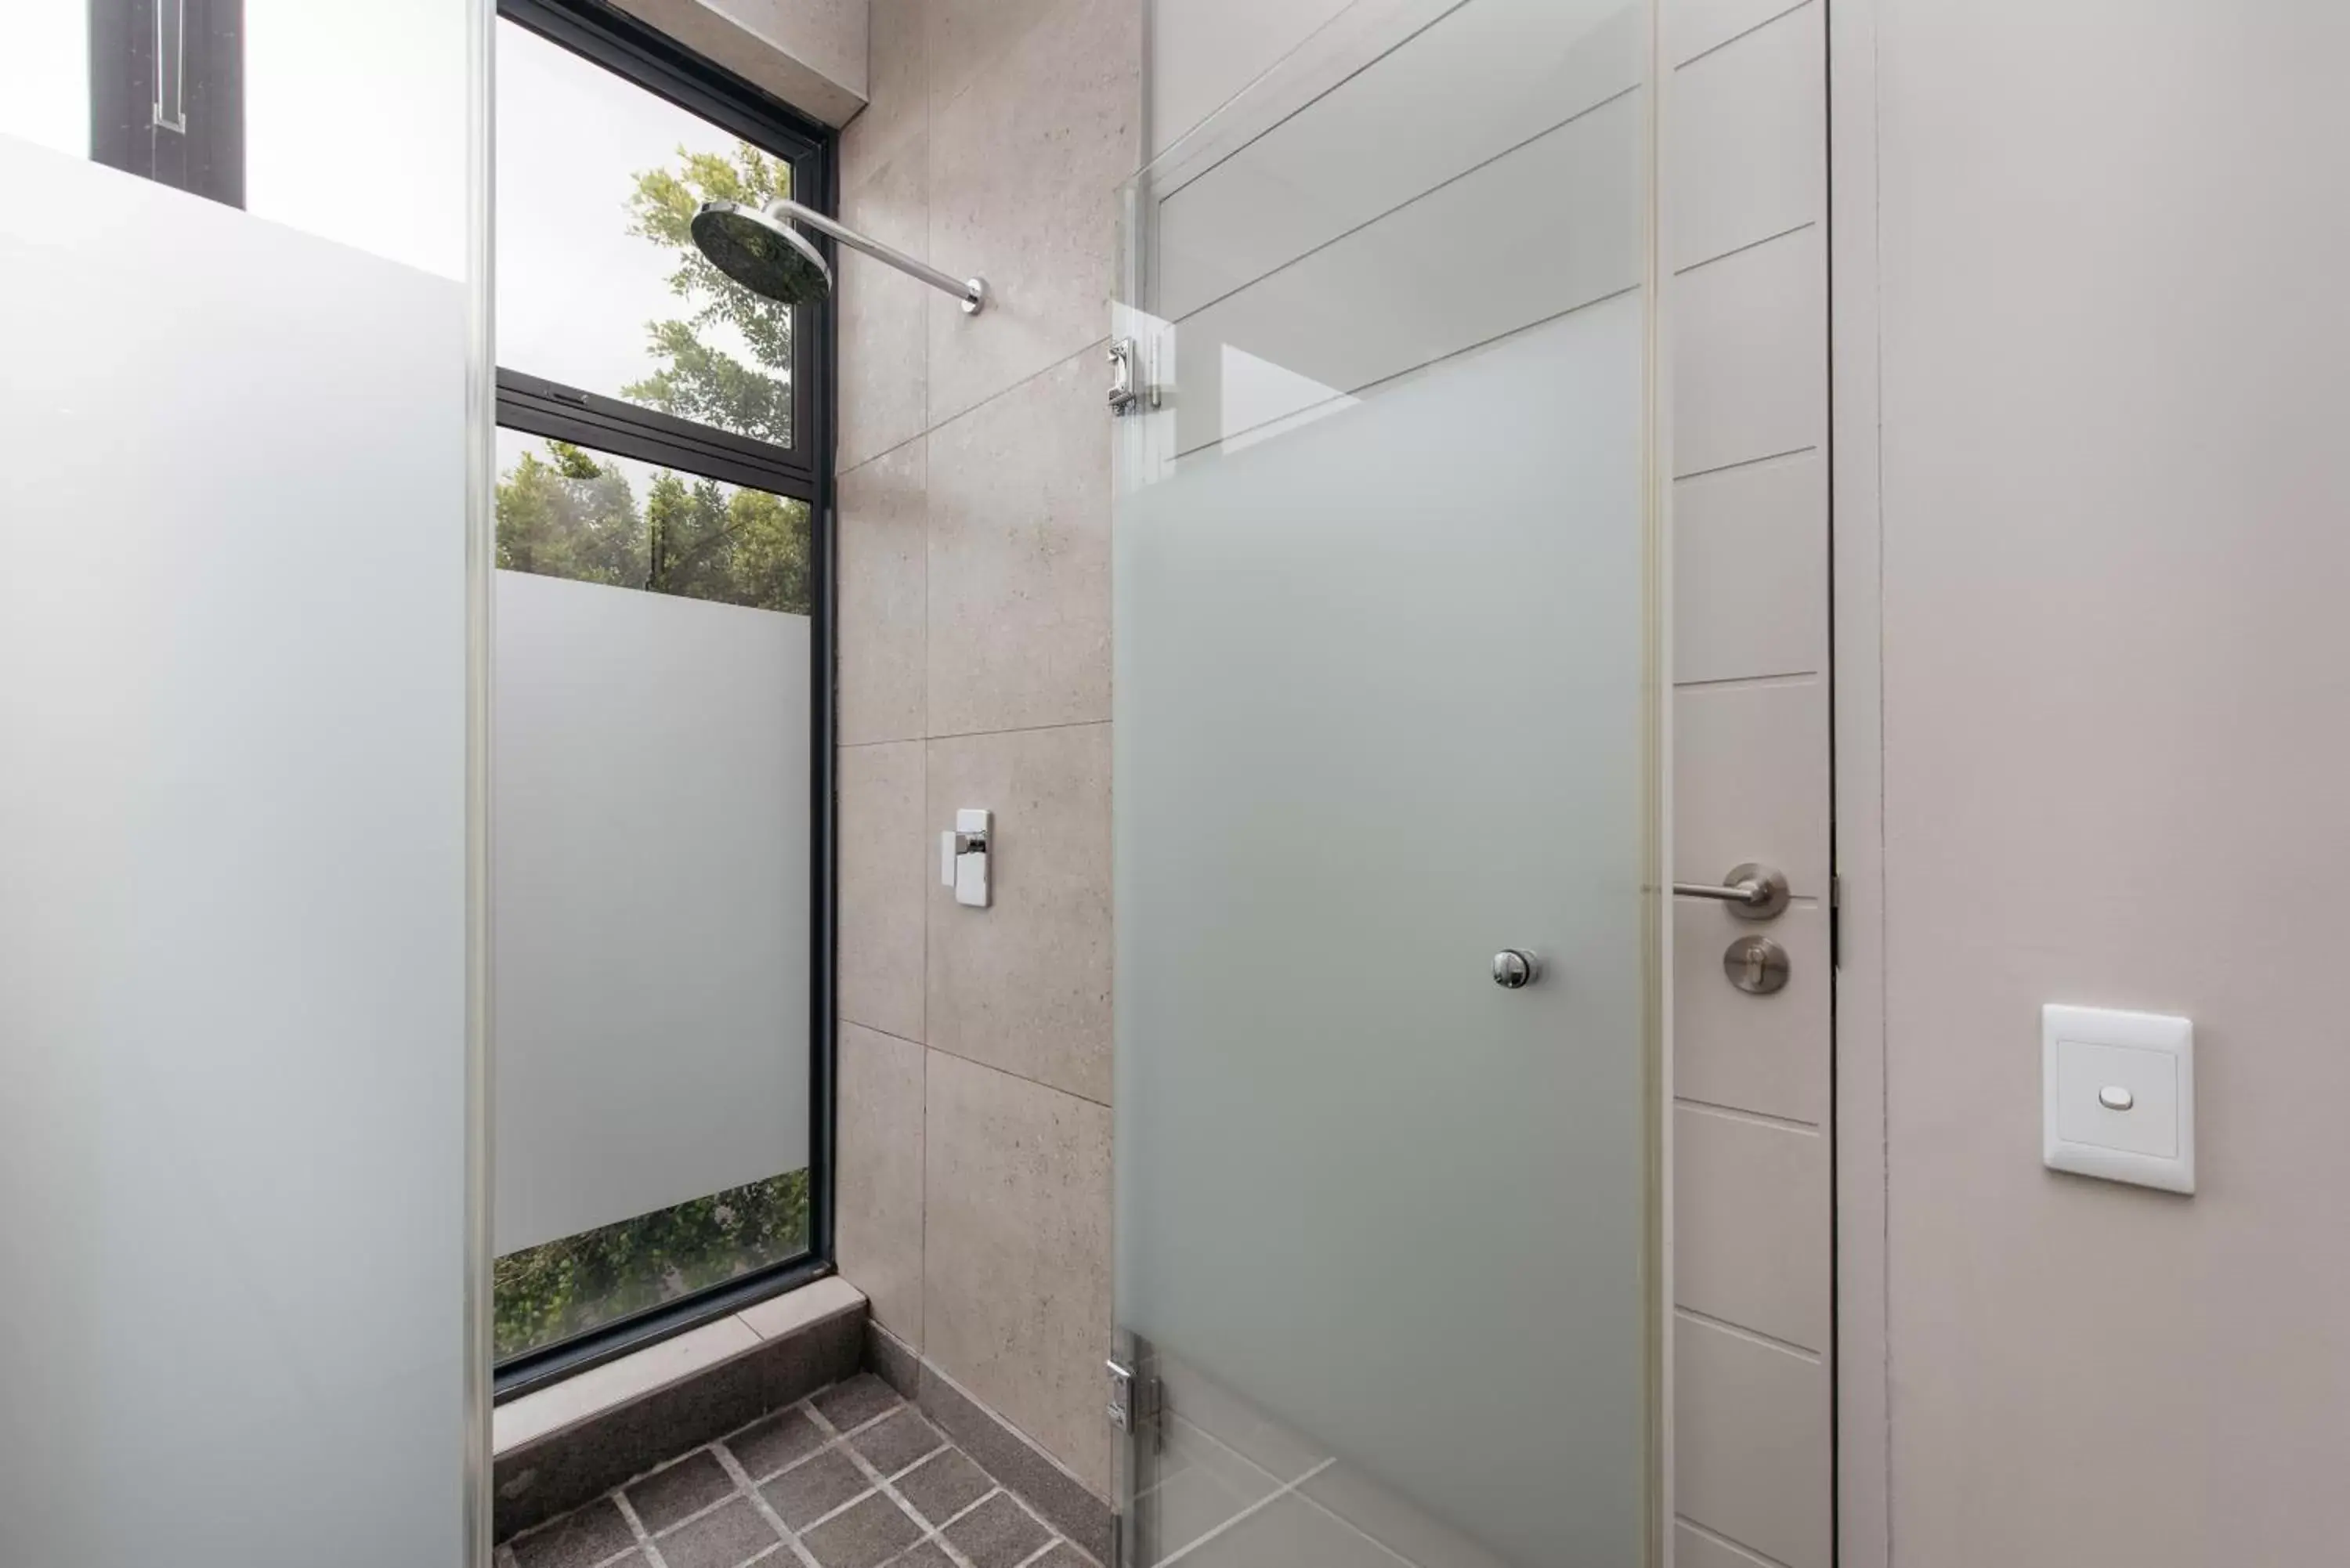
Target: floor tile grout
point(636, 1523)
point(734, 1469)
point(791, 1545)
point(881, 1484)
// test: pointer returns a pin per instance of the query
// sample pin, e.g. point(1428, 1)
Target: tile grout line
point(977, 734)
point(1473, 170)
point(706, 1509)
point(1053, 1535)
point(790, 1546)
point(1696, 1527)
point(1763, 681)
point(1740, 1114)
point(733, 1467)
point(1740, 1331)
point(1259, 1506)
point(629, 1516)
point(881, 1483)
point(1746, 462)
point(1741, 248)
point(1742, 32)
point(1378, 384)
point(1092, 346)
point(1006, 1072)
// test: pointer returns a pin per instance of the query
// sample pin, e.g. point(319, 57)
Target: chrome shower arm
point(971, 291)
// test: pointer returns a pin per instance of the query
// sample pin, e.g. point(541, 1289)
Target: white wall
point(652, 902)
point(2117, 746)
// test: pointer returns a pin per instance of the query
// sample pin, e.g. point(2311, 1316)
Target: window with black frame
point(660, 708)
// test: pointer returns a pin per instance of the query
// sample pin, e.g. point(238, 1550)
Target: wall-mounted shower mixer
point(962, 856)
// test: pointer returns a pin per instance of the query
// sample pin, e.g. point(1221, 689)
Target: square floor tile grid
point(852, 1477)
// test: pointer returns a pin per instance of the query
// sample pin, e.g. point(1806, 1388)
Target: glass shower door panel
point(1384, 664)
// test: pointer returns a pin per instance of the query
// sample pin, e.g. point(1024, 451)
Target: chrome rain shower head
point(765, 252)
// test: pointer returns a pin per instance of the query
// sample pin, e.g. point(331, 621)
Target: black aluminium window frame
point(610, 38)
point(167, 93)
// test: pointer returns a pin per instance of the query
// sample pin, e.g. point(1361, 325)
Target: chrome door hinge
point(1129, 387)
point(1133, 1401)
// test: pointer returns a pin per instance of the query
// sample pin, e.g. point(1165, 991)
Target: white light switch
point(2119, 1091)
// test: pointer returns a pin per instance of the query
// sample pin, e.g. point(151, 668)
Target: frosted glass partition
point(234, 703)
point(653, 909)
point(1386, 685)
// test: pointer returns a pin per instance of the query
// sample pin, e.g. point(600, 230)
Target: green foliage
point(565, 515)
point(559, 1289)
point(699, 381)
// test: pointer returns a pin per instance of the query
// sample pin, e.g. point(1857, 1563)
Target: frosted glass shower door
point(1386, 659)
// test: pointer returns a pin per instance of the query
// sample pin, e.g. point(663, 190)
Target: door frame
point(1855, 677)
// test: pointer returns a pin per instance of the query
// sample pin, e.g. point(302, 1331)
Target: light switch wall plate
point(2118, 1095)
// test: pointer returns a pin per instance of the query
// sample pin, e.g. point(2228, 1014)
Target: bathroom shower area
point(1170, 784)
point(1045, 933)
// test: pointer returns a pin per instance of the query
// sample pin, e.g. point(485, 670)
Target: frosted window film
point(233, 693)
point(652, 901)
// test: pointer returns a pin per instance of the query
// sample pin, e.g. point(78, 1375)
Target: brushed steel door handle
point(1753, 892)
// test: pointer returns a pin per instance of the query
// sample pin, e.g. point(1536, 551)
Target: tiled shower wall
point(973, 460)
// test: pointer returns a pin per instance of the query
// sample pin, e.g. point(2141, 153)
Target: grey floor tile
point(1291, 1531)
point(808, 1491)
point(944, 1485)
point(852, 1404)
point(685, 1488)
point(925, 1554)
point(1196, 1500)
point(864, 1536)
point(998, 1534)
point(578, 1540)
point(1064, 1555)
point(892, 1444)
point(727, 1538)
point(784, 1437)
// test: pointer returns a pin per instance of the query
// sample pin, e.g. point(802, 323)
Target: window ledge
point(610, 1386)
